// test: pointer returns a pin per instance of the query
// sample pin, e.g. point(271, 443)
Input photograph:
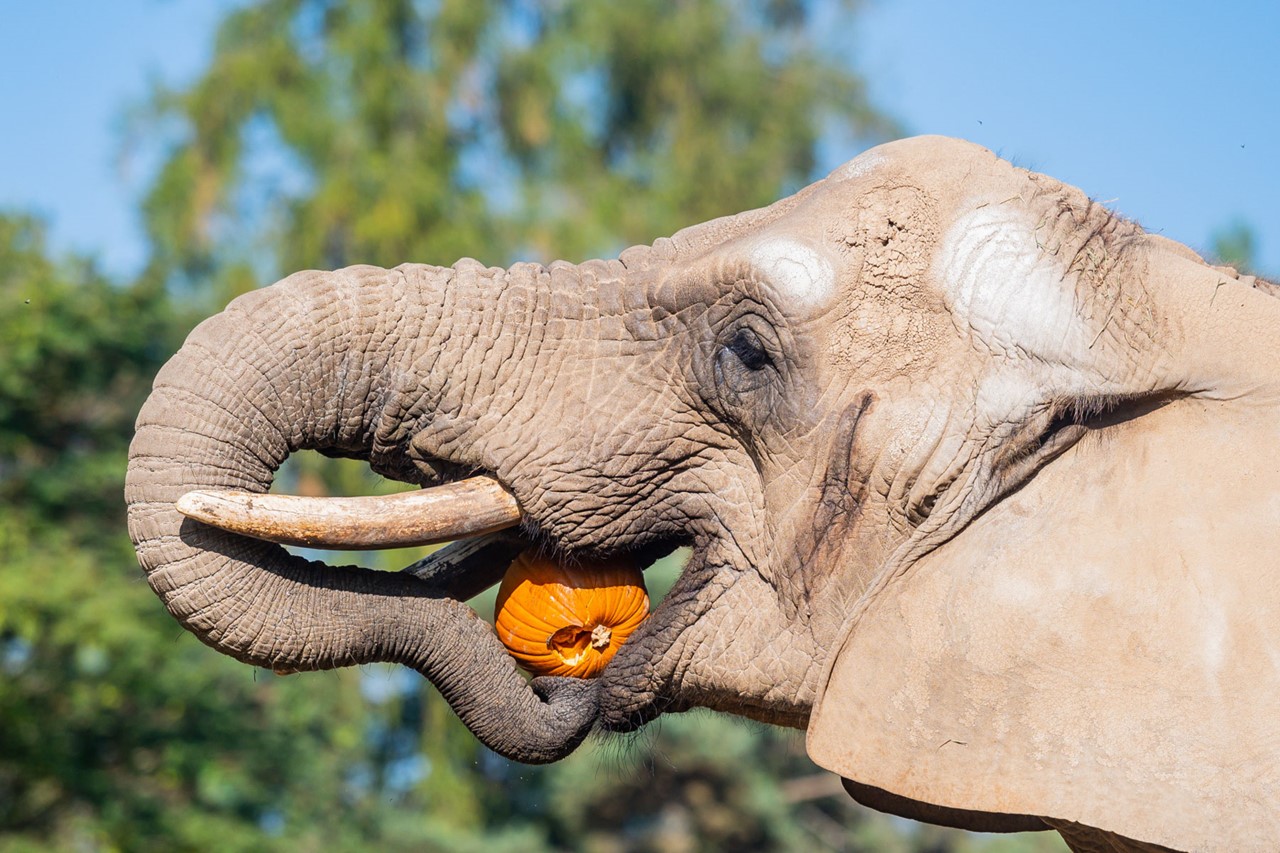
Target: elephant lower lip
point(623, 720)
point(628, 700)
point(632, 700)
point(637, 685)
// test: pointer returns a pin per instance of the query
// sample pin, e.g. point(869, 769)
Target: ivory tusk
point(452, 511)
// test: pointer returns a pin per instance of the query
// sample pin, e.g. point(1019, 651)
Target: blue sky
point(1168, 111)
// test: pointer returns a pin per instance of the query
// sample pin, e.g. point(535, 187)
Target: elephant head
point(978, 478)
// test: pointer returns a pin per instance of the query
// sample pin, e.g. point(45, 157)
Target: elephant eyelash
point(1065, 423)
point(1063, 418)
point(1041, 438)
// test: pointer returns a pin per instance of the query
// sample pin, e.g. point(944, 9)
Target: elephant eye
point(746, 345)
point(743, 366)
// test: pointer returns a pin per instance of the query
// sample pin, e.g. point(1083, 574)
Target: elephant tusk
point(466, 508)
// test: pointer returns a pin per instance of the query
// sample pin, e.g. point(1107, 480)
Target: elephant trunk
point(314, 363)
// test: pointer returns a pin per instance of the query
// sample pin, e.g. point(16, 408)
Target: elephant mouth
point(485, 529)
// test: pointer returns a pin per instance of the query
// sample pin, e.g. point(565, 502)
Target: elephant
point(979, 480)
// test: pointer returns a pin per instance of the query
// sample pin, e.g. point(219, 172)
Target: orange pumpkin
point(568, 620)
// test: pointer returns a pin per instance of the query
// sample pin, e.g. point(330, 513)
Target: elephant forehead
point(1005, 291)
point(798, 271)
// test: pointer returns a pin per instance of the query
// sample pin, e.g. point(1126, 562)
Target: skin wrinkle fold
point(839, 506)
point(195, 344)
point(913, 480)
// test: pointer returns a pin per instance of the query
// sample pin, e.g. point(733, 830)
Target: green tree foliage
point(329, 133)
point(111, 717)
point(1236, 245)
point(77, 361)
point(628, 121)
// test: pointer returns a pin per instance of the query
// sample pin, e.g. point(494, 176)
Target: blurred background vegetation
point(381, 131)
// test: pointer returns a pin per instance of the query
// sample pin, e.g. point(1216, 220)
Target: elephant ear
point(1101, 648)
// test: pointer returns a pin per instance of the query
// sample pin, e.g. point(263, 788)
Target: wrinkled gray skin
point(812, 395)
